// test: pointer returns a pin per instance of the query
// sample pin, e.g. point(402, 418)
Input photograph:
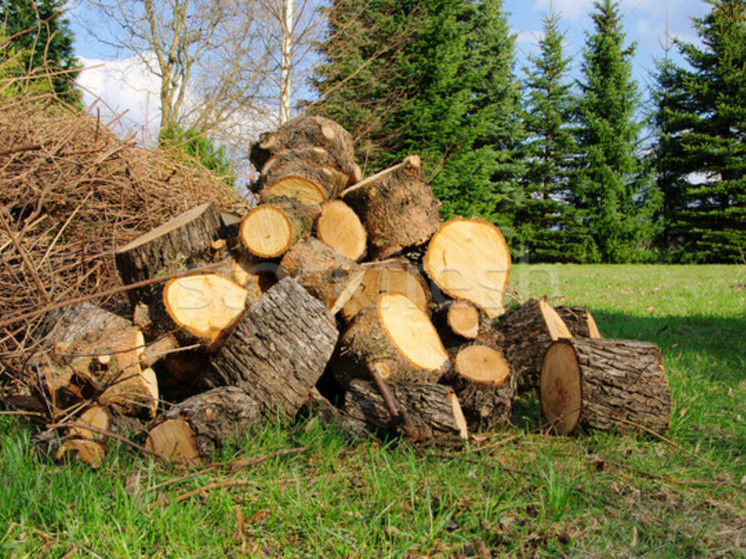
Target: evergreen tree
point(613, 190)
point(701, 138)
point(38, 28)
point(546, 219)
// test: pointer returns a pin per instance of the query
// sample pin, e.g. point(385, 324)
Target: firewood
point(469, 259)
point(194, 429)
point(87, 451)
point(67, 324)
point(528, 331)
point(317, 406)
point(322, 271)
point(167, 248)
point(397, 208)
point(432, 409)
point(97, 417)
point(278, 350)
point(388, 276)
point(457, 318)
point(604, 384)
point(579, 321)
point(303, 175)
point(340, 228)
point(397, 338)
point(484, 383)
point(269, 230)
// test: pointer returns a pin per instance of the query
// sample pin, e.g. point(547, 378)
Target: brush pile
point(338, 295)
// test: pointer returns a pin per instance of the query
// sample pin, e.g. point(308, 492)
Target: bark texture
point(303, 175)
point(579, 321)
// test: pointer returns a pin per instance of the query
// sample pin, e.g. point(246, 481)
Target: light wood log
point(67, 324)
point(469, 259)
point(278, 350)
point(579, 321)
point(459, 319)
point(303, 175)
point(604, 384)
point(269, 230)
point(397, 208)
point(340, 228)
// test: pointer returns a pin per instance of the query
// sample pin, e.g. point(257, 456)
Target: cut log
point(317, 406)
point(529, 330)
point(340, 228)
point(579, 321)
point(457, 318)
point(433, 410)
point(194, 429)
point(469, 259)
point(308, 132)
point(608, 385)
point(96, 417)
point(322, 271)
point(397, 339)
point(484, 384)
point(269, 230)
point(87, 451)
point(278, 350)
point(303, 175)
point(397, 208)
point(67, 324)
point(388, 276)
point(166, 249)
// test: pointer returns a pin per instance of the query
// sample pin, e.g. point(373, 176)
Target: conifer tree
point(612, 189)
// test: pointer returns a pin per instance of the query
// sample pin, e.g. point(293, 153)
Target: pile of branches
point(70, 192)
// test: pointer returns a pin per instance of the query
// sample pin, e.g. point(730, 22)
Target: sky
point(124, 86)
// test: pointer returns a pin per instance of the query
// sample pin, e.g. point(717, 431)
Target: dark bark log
point(303, 175)
point(579, 321)
point(317, 406)
point(603, 384)
point(67, 324)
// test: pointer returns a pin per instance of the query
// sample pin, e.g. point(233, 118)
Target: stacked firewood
point(336, 295)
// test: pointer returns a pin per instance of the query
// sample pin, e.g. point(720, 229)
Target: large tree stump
point(528, 332)
point(322, 271)
point(469, 259)
point(394, 337)
point(433, 411)
point(269, 230)
point(194, 429)
point(340, 228)
point(388, 276)
point(278, 350)
point(579, 321)
point(603, 384)
point(302, 175)
point(166, 249)
point(397, 208)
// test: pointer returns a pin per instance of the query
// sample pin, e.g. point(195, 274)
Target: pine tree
point(702, 139)
point(545, 220)
point(38, 28)
point(613, 190)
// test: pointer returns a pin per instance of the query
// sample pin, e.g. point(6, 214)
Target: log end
point(560, 388)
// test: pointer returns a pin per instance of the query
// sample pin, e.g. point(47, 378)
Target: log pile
point(340, 296)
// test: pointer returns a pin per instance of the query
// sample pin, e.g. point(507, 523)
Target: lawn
point(519, 492)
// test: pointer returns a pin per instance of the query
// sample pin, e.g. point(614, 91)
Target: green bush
point(196, 145)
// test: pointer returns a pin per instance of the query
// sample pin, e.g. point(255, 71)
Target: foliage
point(701, 123)
point(37, 29)
point(195, 144)
point(613, 190)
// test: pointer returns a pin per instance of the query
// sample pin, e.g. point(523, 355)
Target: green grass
point(522, 493)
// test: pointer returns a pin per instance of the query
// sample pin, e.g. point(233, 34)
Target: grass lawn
point(521, 492)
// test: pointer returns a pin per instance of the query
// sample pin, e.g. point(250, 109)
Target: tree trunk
point(340, 228)
point(394, 337)
point(579, 321)
point(432, 409)
point(278, 350)
point(323, 272)
point(528, 331)
point(194, 429)
point(469, 259)
point(269, 230)
point(166, 249)
point(603, 384)
point(303, 175)
point(397, 208)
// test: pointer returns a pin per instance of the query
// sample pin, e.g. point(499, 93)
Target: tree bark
point(278, 350)
point(67, 324)
point(303, 175)
point(604, 384)
point(579, 321)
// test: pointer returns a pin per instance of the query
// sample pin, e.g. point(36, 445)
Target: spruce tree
point(546, 218)
point(613, 191)
point(38, 28)
point(702, 139)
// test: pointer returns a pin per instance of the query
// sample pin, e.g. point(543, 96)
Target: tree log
point(166, 249)
point(323, 272)
point(433, 410)
point(340, 228)
point(528, 331)
point(317, 406)
point(469, 259)
point(459, 319)
point(67, 324)
point(269, 230)
point(194, 429)
point(579, 321)
point(397, 208)
point(278, 350)
point(303, 175)
point(397, 339)
point(603, 384)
